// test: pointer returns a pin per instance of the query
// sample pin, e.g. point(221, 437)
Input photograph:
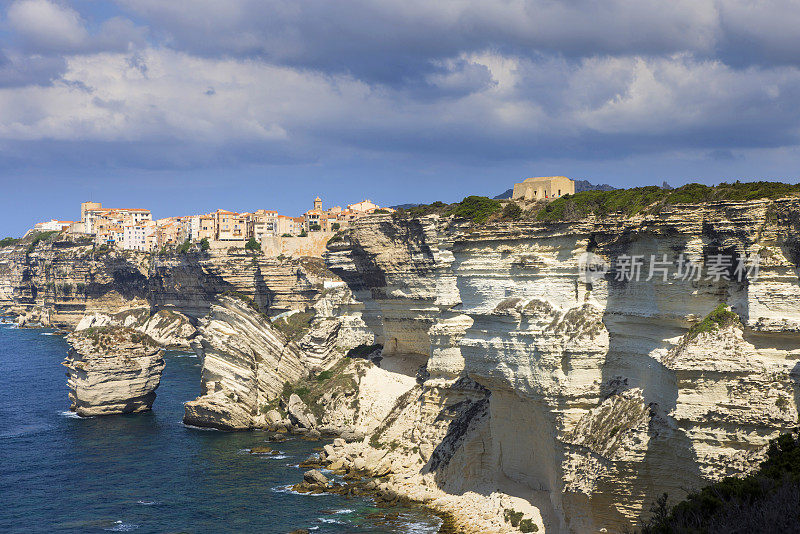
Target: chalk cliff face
point(596, 399)
point(112, 370)
point(60, 281)
point(245, 362)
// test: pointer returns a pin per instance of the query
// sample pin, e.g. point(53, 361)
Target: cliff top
point(111, 340)
point(626, 202)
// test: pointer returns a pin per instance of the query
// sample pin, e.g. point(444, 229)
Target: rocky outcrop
point(246, 363)
point(112, 370)
point(168, 328)
point(614, 402)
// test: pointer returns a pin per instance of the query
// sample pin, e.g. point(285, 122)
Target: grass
point(649, 199)
point(720, 317)
point(109, 337)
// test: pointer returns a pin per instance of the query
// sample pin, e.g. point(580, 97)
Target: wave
point(288, 489)
point(331, 521)
point(344, 511)
point(146, 503)
point(119, 526)
point(204, 428)
point(72, 415)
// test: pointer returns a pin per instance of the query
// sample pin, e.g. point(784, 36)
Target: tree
point(204, 244)
point(253, 245)
point(303, 234)
point(512, 211)
point(335, 227)
point(314, 227)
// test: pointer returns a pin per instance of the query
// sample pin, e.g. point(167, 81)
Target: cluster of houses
point(135, 229)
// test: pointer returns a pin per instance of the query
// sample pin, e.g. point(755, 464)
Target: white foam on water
point(146, 503)
point(72, 415)
point(119, 526)
point(205, 428)
point(288, 489)
point(279, 456)
point(331, 521)
point(344, 511)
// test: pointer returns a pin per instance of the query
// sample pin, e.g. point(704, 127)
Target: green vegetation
point(294, 326)
point(437, 207)
point(512, 211)
point(287, 235)
point(338, 378)
point(314, 227)
point(185, 247)
point(8, 241)
point(335, 227)
point(478, 209)
point(652, 198)
point(720, 317)
point(303, 233)
point(204, 244)
point(380, 211)
point(253, 245)
point(109, 337)
point(40, 237)
point(746, 504)
point(515, 518)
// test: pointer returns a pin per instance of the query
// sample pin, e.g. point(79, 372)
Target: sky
point(186, 106)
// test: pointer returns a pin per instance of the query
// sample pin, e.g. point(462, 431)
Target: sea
point(149, 473)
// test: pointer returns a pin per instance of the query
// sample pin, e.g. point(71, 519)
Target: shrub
point(8, 241)
point(335, 227)
point(736, 504)
point(40, 237)
point(204, 244)
point(475, 208)
point(294, 326)
point(380, 211)
point(720, 317)
point(437, 207)
point(303, 234)
point(185, 247)
point(314, 227)
point(512, 211)
point(287, 235)
point(253, 245)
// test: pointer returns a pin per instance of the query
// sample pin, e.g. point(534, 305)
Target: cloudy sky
point(185, 106)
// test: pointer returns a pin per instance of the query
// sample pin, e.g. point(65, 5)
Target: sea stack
point(112, 370)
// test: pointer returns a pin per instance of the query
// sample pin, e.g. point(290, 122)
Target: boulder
point(299, 413)
point(314, 477)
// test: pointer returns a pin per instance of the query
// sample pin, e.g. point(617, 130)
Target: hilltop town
point(135, 229)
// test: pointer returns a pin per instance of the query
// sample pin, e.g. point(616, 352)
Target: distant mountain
point(580, 185)
point(585, 185)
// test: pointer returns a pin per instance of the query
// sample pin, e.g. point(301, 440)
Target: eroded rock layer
point(112, 370)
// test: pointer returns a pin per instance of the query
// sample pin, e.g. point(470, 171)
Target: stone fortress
point(543, 187)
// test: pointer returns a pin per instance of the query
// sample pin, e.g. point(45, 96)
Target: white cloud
point(45, 25)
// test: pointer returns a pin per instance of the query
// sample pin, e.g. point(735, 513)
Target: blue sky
point(188, 106)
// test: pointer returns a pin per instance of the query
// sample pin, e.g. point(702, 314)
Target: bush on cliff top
point(720, 317)
point(475, 208)
point(41, 237)
point(642, 199)
point(765, 501)
point(8, 241)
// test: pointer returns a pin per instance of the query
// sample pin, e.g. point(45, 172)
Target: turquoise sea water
point(148, 472)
